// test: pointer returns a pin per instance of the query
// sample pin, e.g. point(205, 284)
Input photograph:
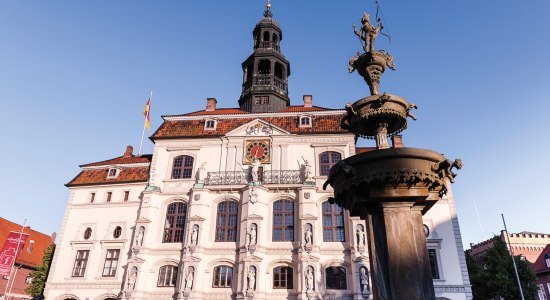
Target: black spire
point(266, 70)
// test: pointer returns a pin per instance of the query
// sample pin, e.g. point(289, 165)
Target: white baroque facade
point(230, 205)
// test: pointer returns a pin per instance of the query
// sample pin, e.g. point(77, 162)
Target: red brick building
point(27, 260)
point(542, 269)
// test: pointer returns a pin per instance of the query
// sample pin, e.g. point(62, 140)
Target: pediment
point(196, 218)
point(254, 217)
point(310, 259)
point(308, 217)
point(193, 259)
point(136, 260)
point(257, 127)
point(252, 258)
point(143, 220)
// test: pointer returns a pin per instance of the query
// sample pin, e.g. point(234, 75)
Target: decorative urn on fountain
point(390, 187)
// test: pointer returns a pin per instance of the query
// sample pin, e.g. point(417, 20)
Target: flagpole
point(145, 124)
point(15, 258)
point(478, 219)
point(512, 255)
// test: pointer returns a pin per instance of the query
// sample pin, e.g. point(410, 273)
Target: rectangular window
point(109, 195)
point(542, 293)
point(548, 261)
point(126, 195)
point(265, 99)
point(92, 197)
point(111, 263)
point(80, 263)
point(432, 254)
point(258, 100)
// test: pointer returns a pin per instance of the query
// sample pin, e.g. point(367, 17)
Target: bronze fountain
point(390, 187)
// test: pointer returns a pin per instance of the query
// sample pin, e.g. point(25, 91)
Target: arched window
point(264, 67)
point(283, 220)
point(266, 36)
point(275, 38)
point(305, 121)
point(335, 278)
point(168, 275)
point(175, 222)
point(222, 277)
point(327, 160)
point(333, 223)
point(226, 221)
point(279, 70)
point(183, 167)
point(282, 278)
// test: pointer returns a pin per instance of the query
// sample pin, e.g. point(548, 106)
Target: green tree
point(495, 277)
point(40, 275)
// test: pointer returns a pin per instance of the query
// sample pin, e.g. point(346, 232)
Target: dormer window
point(210, 124)
point(113, 173)
point(305, 121)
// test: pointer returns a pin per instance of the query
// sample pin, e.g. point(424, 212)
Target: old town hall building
point(230, 205)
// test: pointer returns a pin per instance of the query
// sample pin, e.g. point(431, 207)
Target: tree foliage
point(40, 274)
point(495, 276)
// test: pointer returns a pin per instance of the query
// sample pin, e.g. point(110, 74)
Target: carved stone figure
point(360, 237)
point(308, 236)
point(132, 279)
point(139, 237)
point(201, 172)
point(251, 277)
point(254, 170)
point(252, 235)
point(194, 235)
point(253, 196)
point(309, 280)
point(189, 279)
point(444, 168)
point(367, 33)
point(307, 171)
point(364, 280)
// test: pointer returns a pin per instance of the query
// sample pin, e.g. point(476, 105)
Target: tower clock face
point(259, 150)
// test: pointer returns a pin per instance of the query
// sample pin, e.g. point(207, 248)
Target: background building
point(27, 260)
point(542, 268)
point(527, 244)
point(230, 205)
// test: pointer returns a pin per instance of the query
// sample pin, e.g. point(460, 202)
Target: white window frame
point(541, 292)
point(117, 171)
point(206, 121)
point(310, 122)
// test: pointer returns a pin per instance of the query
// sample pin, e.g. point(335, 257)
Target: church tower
point(266, 70)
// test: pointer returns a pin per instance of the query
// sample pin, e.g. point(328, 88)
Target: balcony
point(267, 81)
point(265, 177)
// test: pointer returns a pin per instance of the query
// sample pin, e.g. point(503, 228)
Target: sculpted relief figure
point(201, 172)
point(364, 280)
point(254, 169)
point(139, 237)
point(309, 280)
point(252, 235)
point(251, 277)
point(132, 279)
point(308, 236)
point(307, 171)
point(194, 235)
point(367, 33)
point(189, 279)
point(360, 237)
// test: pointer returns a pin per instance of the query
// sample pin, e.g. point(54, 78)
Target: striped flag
point(146, 113)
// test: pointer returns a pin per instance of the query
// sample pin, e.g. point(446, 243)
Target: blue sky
point(75, 75)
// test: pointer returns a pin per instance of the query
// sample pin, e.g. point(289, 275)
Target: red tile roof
point(99, 176)
point(539, 266)
point(122, 160)
point(218, 111)
point(195, 128)
point(363, 149)
point(298, 108)
point(41, 242)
